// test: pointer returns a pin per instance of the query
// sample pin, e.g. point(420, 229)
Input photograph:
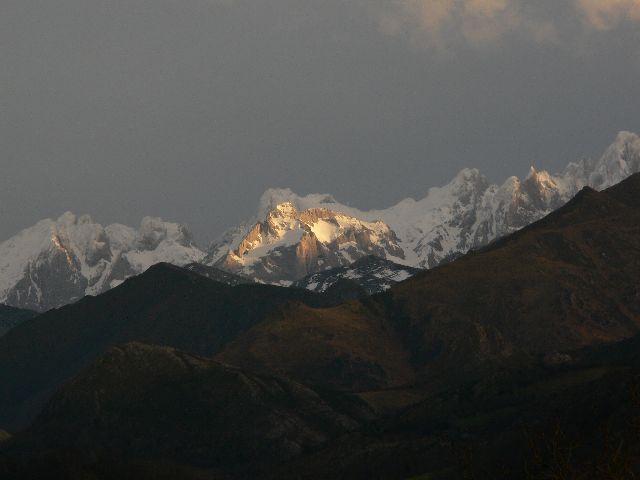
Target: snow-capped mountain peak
point(291, 243)
point(619, 161)
point(466, 213)
point(57, 261)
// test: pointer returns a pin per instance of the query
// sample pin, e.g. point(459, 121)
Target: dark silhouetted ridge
point(166, 305)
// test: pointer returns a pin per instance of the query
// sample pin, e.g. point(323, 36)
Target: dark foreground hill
point(518, 360)
point(140, 401)
point(577, 420)
point(149, 412)
point(166, 305)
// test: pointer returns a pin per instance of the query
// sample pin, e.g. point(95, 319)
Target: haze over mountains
point(56, 262)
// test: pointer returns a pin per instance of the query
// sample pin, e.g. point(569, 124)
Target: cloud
point(402, 16)
point(477, 22)
point(608, 14)
point(442, 23)
point(485, 20)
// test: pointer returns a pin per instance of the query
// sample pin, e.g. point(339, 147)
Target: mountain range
point(293, 236)
point(57, 262)
point(516, 360)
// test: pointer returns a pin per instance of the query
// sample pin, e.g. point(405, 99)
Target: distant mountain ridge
point(467, 213)
point(56, 262)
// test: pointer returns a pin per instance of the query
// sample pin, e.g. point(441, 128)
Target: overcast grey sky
point(190, 109)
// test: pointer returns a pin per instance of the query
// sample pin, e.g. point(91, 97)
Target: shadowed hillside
point(11, 317)
point(141, 401)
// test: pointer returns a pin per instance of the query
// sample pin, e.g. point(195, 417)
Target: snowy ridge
point(58, 261)
point(467, 213)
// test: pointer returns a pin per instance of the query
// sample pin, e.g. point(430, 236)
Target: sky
point(190, 109)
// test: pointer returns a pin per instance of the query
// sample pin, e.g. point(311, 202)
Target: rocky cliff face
point(290, 244)
point(466, 214)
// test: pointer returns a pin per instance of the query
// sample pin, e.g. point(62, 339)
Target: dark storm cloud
point(189, 109)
